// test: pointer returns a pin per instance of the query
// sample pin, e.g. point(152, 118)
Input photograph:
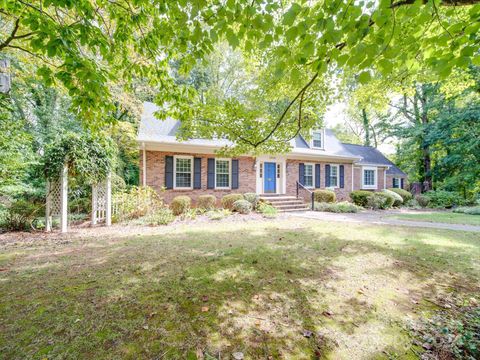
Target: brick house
point(192, 167)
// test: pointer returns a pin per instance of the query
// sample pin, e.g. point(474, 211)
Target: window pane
point(183, 170)
point(222, 171)
point(317, 139)
point(369, 177)
point(308, 175)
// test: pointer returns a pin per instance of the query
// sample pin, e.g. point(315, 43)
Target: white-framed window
point(223, 170)
point(317, 139)
point(334, 176)
point(183, 172)
point(308, 175)
point(278, 170)
point(369, 178)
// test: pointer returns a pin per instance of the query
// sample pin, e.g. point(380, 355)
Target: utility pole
point(5, 82)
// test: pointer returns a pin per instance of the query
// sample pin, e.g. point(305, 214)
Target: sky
point(336, 115)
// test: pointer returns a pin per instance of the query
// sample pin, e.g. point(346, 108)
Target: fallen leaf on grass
point(238, 355)
point(307, 333)
point(205, 308)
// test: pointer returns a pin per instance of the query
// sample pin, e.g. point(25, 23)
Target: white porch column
point(64, 199)
point(108, 201)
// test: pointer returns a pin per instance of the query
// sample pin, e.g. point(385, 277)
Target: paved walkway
point(380, 218)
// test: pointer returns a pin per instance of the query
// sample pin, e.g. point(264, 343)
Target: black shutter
point(235, 174)
point(327, 175)
point(210, 173)
point(317, 176)
point(401, 183)
point(169, 172)
point(197, 173)
point(301, 173)
point(342, 176)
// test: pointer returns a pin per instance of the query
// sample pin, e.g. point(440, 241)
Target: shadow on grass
point(254, 290)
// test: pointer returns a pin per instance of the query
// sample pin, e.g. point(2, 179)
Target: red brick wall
point(358, 173)
point(390, 181)
point(292, 178)
point(156, 176)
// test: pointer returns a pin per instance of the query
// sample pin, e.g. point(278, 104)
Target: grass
point(441, 217)
point(207, 291)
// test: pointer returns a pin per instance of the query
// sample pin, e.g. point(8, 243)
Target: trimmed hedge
point(473, 210)
point(398, 200)
point(242, 206)
point(422, 200)
point(206, 202)
point(180, 204)
point(444, 199)
point(228, 200)
point(341, 207)
point(360, 197)
point(406, 195)
point(325, 196)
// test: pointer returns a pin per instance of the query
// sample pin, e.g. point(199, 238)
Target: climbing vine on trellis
point(90, 158)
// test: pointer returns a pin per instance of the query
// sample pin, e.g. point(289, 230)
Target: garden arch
point(87, 158)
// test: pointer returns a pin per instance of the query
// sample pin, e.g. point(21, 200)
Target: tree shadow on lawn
point(250, 290)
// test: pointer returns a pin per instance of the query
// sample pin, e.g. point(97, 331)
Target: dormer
point(317, 140)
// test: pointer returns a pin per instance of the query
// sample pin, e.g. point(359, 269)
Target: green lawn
point(441, 217)
point(206, 291)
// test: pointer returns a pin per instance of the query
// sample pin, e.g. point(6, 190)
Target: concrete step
point(294, 209)
point(277, 198)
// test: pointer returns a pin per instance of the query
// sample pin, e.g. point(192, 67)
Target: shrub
point(444, 199)
point(398, 200)
point(228, 200)
point(135, 203)
point(162, 216)
point(267, 210)
point(474, 210)
point(324, 196)
point(180, 204)
point(422, 200)
point(406, 195)
point(242, 206)
point(20, 215)
point(360, 197)
point(341, 207)
point(379, 200)
point(252, 198)
point(206, 202)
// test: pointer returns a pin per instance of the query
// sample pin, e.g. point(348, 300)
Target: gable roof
point(373, 156)
point(155, 131)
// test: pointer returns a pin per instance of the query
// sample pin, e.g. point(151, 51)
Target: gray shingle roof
point(371, 155)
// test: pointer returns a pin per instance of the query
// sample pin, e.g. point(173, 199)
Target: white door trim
point(281, 183)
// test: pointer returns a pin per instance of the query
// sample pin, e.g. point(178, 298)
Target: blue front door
point(269, 177)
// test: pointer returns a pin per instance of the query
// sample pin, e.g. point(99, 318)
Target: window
point(308, 175)
point(222, 174)
point(261, 169)
point(369, 178)
point(396, 183)
point(317, 139)
point(183, 172)
point(278, 171)
point(334, 173)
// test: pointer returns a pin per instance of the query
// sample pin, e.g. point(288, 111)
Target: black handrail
point(309, 191)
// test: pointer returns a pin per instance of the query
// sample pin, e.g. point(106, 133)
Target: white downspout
point(384, 178)
point(144, 163)
point(352, 175)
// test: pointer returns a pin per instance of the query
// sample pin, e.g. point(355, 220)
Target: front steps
point(285, 203)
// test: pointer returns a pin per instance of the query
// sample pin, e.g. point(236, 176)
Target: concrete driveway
point(381, 218)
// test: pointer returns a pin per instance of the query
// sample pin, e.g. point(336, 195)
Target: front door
point(269, 177)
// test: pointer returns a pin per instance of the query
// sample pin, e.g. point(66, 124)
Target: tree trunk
point(366, 127)
point(427, 162)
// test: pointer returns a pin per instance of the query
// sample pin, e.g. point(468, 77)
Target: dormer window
point(317, 139)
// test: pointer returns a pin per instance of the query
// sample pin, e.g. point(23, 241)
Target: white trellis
point(102, 202)
point(57, 201)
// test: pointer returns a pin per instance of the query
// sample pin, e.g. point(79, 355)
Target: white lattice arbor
point(57, 201)
point(102, 202)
